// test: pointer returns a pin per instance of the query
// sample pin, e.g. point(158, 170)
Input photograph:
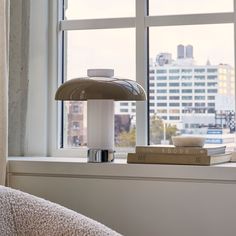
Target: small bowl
point(188, 141)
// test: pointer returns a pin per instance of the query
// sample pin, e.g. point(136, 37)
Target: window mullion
point(109, 23)
point(193, 19)
point(141, 71)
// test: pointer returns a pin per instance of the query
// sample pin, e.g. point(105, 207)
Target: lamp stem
point(100, 126)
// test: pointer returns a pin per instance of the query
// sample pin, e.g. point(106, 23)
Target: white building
point(187, 94)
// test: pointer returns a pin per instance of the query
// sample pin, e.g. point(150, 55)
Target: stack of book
point(179, 155)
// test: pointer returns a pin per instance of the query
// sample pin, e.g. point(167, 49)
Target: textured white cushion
point(23, 214)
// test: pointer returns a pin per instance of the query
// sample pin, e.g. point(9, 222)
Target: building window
point(174, 104)
point(199, 97)
point(199, 84)
point(174, 71)
point(75, 108)
point(173, 77)
point(124, 103)
point(186, 70)
point(186, 84)
point(212, 84)
point(199, 77)
point(161, 84)
point(174, 84)
point(199, 90)
point(187, 97)
point(174, 118)
point(161, 97)
point(213, 70)
point(210, 97)
point(186, 77)
point(174, 91)
point(212, 90)
point(76, 125)
point(162, 104)
point(161, 91)
point(187, 90)
point(161, 78)
point(174, 97)
point(161, 71)
point(200, 70)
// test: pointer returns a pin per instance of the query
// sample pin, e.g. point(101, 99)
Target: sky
point(115, 48)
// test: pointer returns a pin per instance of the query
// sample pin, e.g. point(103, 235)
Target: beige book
point(153, 158)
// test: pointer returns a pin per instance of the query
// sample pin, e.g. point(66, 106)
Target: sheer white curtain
point(3, 88)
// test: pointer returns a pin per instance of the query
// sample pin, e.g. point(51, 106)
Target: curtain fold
point(3, 89)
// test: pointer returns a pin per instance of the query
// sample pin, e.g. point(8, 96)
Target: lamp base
point(99, 155)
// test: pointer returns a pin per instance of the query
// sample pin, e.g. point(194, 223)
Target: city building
point(186, 94)
point(76, 123)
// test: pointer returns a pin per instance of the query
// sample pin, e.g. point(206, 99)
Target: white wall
point(138, 200)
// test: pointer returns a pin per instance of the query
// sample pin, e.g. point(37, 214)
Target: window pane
point(174, 7)
point(89, 49)
point(200, 66)
point(90, 9)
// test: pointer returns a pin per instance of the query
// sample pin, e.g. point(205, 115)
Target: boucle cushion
point(23, 214)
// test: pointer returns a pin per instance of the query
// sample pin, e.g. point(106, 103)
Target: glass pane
point(90, 9)
point(192, 83)
point(173, 7)
point(87, 49)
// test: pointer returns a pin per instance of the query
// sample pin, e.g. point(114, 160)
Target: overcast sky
point(115, 48)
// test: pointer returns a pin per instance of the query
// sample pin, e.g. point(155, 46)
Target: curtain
point(3, 88)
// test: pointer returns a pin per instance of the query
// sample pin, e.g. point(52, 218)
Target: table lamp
point(100, 89)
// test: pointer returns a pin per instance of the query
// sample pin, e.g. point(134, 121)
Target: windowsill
point(79, 168)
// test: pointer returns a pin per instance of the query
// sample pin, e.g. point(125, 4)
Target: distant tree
point(126, 139)
point(157, 130)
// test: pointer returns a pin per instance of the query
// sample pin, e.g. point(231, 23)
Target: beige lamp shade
point(100, 87)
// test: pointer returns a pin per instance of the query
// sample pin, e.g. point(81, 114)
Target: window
point(174, 91)
point(161, 84)
point(199, 90)
point(173, 71)
point(161, 104)
point(199, 97)
point(124, 103)
point(161, 71)
point(186, 70)
point(187, 97)
point(199, 70)
point(199, 84)
point(161, 78)
point(175, 41)
point(187, 90)
point(161, 97)
point(173, 77)
point(174, 97)
point(186, 84)
point(161, 91)
point(174, 104)
point(174, 84)
point(199, 77)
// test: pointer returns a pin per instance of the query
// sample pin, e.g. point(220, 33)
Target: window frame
point(141, 22)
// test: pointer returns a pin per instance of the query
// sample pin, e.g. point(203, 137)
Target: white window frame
point(140, 22)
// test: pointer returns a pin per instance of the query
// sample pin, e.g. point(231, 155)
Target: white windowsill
point(79, 168)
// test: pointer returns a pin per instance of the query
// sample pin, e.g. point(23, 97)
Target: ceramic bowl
point(188, 141)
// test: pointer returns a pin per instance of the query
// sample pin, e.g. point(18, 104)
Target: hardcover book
point(169, 149)
point(153, 158)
